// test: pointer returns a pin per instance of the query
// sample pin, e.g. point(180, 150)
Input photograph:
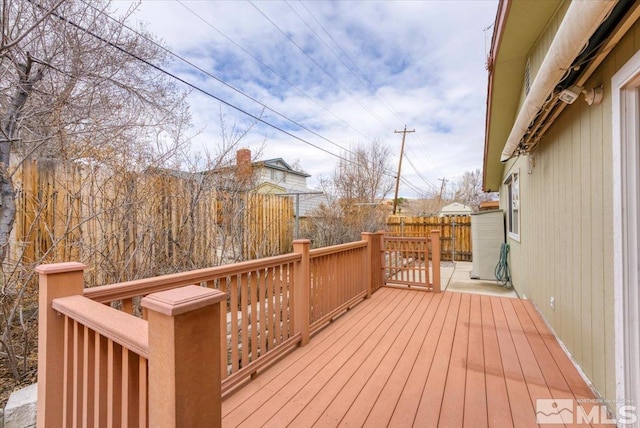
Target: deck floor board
point(414, 358)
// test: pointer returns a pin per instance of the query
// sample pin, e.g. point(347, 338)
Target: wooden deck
point(412, 358)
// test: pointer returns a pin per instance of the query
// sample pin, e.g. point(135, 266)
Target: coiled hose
point(503, 275)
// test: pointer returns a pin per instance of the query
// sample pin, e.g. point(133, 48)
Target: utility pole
point(404, 134)
point(444, 181)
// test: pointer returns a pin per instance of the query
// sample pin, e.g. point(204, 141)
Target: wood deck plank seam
point(445, 346)
point(355, 379)
point(519, 353)
point(475, 402)
point(408, 402)
point(329, 340)
point(490, 340)
point(299, 378)
point(454, 397)
point(566, 370)
point(550, 370)
point(392, 391)
point(309, 392)
point(304, 354)
point(534, 378)
point(395, 352)
point(513, 374)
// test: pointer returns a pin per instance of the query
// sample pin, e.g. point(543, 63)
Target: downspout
point(580, 22)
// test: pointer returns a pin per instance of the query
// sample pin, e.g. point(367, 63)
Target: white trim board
point(626, 213)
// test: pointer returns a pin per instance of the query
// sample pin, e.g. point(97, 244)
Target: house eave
point(517, 28)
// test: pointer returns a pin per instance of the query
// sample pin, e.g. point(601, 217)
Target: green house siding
point(565, 250)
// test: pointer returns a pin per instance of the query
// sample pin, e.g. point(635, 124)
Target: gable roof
point(281, 165)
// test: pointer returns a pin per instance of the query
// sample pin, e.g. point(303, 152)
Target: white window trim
point(625, 86)
point(507, 181)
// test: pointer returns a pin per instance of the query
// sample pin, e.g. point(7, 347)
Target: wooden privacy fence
point(197, 336)
point(127, 225)
point(455, 233)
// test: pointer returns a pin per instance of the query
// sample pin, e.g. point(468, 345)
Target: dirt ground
point(8, 383)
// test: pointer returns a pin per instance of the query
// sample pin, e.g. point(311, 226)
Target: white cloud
point(419, 63)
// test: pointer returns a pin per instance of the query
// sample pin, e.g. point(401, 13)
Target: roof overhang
point(517, 28)
point(588, 32)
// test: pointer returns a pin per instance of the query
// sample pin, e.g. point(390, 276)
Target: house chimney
point(244, 169)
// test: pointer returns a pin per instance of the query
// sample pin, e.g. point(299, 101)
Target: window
point(513, 207)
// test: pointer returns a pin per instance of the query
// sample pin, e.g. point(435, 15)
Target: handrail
point(129, 289)
point(407, 238)
point(122, 328)
point(269, 306)
point(319, 252)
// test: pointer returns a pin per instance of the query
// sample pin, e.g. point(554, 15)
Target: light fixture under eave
point(570, 94)
point(593, 96)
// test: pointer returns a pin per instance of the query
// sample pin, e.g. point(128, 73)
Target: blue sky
point(350, 71)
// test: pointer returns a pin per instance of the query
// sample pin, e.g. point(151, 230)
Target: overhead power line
point(205, 92)
point(351, 94)
point(191, 64)
point(187, 83)
point(284, 79)
point(364, 76)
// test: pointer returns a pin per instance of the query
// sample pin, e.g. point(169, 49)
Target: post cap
point(51, 268)
point(178, 301)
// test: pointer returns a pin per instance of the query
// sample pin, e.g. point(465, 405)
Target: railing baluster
point(127, 306)
point(253, 298)
point(77, 392)
point(235, 343)
point(68, 372)
point(143, 394)
point(87, 377)
point(126, 400)
point(244, 305)
point(279, 298)
point(101, 383)
point(269, 280)
point(262, 310)
point(222, 286)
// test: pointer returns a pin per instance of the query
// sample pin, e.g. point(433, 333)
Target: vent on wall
point(527, 77)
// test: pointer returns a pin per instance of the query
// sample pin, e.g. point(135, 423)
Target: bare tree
point(75, 86)
point(468, 190)
point(362, 174)
point(359, 185)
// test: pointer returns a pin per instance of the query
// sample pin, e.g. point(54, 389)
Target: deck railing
point(163, 350)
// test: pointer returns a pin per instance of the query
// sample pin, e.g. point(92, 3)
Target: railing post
point(301, 290)
point(380, 271)
point(374, 257)
point(55, 280)
point(368, 269)
point(184, 357)
point(435, 259)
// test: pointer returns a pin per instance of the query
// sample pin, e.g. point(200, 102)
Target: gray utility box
point(487, 235)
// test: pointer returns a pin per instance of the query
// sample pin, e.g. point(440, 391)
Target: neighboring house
point(568, 173)
point(275, 176)
point(454, 209)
